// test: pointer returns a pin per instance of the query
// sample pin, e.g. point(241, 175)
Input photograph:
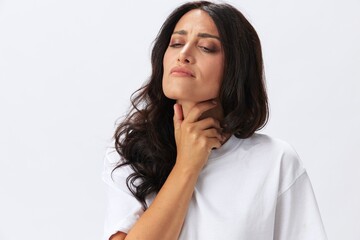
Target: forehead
point(197, 21)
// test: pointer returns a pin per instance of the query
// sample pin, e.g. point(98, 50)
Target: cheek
point(215, 77)
point(214, 73)
point(219, 72)
point(165, 60)
point(166, 88)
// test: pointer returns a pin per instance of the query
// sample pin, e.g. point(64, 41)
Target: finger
point(213, 133)
point(213, 143)
point(208, 123)
point(178, 116)
point(196, 111)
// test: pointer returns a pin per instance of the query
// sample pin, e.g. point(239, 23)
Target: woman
point(191, 166)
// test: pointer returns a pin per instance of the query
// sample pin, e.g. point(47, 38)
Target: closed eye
point(176, 45)
point(206, 49)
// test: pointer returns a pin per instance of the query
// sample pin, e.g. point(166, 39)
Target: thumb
point(178, 116)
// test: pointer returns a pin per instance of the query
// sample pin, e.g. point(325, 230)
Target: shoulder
point(111, 174)
point(270, 147)
point(279, 155)
point(262, 141)
point(112, 157)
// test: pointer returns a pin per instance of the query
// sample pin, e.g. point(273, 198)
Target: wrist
point(186, 171)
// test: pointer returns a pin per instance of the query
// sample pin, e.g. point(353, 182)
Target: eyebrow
point(202, 35)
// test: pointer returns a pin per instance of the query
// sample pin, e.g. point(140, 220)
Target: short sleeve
point(123, 209)
point(297, 213)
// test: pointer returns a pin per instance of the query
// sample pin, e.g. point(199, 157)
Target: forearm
point(165, 216)
point(194, 138)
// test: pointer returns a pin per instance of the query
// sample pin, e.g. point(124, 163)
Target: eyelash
point(205, 49)
point(209, 50)
point(175, 45)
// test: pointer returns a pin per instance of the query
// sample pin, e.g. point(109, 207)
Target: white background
point(67, 69)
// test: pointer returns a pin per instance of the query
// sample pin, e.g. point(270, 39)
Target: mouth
point(182, 72)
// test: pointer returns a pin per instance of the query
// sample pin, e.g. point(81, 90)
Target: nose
point(185, 56)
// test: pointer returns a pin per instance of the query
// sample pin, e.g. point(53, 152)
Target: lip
point(182, 72)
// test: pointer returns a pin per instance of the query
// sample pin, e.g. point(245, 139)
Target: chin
point(175, 95)
point(188, 96)
point(183, 98)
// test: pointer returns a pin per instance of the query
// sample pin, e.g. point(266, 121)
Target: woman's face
point(194, 60)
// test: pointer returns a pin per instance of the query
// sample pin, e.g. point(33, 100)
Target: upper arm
point(118, 236)
point(123, 209)
point(297, 213)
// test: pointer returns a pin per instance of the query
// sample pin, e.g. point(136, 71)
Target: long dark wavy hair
point(145, 138)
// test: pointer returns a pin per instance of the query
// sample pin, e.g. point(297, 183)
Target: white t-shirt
point(250, 189)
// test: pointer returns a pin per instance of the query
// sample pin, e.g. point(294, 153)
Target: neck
point(216, 112)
